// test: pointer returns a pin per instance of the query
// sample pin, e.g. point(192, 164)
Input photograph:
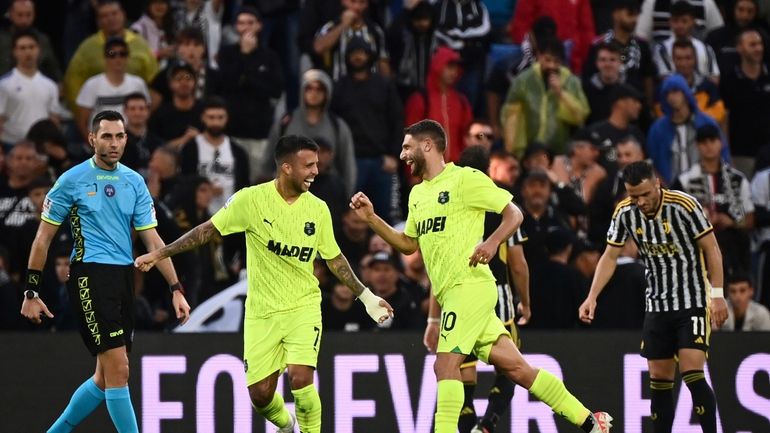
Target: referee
point(673, 236)
point(103, 200)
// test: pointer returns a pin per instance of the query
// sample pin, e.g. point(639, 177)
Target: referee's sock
point(468, 413)
point(499, 400)
point(551, 391)
point(307, 407)
point(448, 405)
point(702, 399)
point(662, 405)
point(84, 401)
point(120, 409)
point(275, 411)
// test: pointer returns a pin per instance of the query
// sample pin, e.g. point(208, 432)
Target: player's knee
point(300, 381)
point(260, 395)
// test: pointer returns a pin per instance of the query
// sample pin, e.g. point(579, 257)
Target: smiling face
point(301, 169)
point(412, 154)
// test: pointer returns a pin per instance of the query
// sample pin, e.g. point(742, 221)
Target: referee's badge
point(109, 190)
point(310, 228)
point(443, 197)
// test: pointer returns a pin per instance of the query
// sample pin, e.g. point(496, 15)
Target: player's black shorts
point(664, 333)
point(102, 298)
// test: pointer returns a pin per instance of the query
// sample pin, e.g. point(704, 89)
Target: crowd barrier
point(370, 383)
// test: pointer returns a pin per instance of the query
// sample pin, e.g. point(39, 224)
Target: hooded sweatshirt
point(663, 140)
point(330, 127)
point(450, 108)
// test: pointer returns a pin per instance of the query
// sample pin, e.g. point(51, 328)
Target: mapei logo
point(443, 197)
point(310, 228)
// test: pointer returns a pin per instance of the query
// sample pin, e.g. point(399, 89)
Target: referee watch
point(30, 294)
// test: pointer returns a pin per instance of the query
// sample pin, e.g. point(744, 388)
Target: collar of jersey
point(93, 165)
point(280, 197)
point(449, 167)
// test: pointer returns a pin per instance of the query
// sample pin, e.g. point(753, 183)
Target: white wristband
point(435, 320)
point(372, 304)
point(368, 298)
point(717, 292)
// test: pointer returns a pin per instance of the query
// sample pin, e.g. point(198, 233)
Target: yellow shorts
point(469, 324)
point(272, 343)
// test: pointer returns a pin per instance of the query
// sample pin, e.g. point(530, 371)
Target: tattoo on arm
point(341, 269)
point(194, 238)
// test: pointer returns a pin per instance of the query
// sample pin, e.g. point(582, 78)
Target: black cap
point(623, 91)
point(383, 257)
point(112, 42)
point(537, 175)
point(251, 10)
point(180, 65)
point(629, 5)
point(707, 132)
point(683, 7)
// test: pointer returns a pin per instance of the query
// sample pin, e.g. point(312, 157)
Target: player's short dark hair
point(543, 28)
point(133, 96)
point(291, 144)
point(682, 8)
point(611, 46)
point(214, 102)
point(707, 132)
point(683, 43)
point(108, 115)
point(637, 172)
point(738, 277)
point(551, 45)
point(475, 156)
point(190, 34)
point(24, 33)
point(428, 128)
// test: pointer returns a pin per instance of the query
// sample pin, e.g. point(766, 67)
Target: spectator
point(442, 102)
point(341, 312)
point(722, 39)
point(163, 174)
point(22, 166)
point(314, 14)
point(20, 225)
point(156, 26)
point(329, 186)
point(352, 236)
point(10, 297)
point(544, 103)
point(480, 133)
point(88, 60)
point(574, 21)
point(26, 95)
point(57, 295)
point(107, 90)
point(706, 93)
point(556, 288)
point(504, 169)
point(598, 86)
point(612, 189)
point(332, 40)
point(141, 142)
point(464, 26)
point(177, 120)
point(671, 140)
point(746, 93)
point(48, 138)
point(412, 41)
point(214, 155)
point(416, 279)
point(509, 67)
point(654, 24)
point(743, 313)
point(562, 196)
point(579, 167)
point(637, 66)
point(385, 282)
point(251, 76)
point(207, 16)
point(314, 119)
point(760, 195)
point(625, 103)
point(682, 26)
point(21, 14)
point(724, 194)
point(621, 305)
point(190, 49)
point(369, 104)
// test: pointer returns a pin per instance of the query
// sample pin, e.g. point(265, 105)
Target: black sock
point(662, 405)
point(499, 400)
point(588, 424)
point(468, 413)
point(703, 400)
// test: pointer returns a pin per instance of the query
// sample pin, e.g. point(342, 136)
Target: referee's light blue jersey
point(102, 206)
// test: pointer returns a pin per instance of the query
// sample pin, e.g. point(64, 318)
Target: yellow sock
point(551, 391)
point(450, 402)
point(275, 411)
point(307, 407)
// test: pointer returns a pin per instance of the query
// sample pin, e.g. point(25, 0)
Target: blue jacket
point(663, 131)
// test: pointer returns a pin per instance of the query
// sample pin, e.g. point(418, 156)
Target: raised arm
point(604, 270)
point(153, 242)
point(361, 204)
point(377, 308)
point(192, 239)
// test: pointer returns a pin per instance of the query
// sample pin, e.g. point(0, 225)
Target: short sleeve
point(617, 233)
point(57, 203)
point(3, 100)
point(519, 237)
point(697, 224)
point(325, 28)
point(480, 192)
point(53, 99)
point(87, 96)
point(760, 190)
point(144, 210)
point(748, 205)
point(234, 215)
point(327, 244)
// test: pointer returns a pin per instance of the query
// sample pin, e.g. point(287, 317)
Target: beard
point(215, 131)
point(418, 165)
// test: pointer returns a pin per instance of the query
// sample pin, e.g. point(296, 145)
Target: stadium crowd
point(561, 95)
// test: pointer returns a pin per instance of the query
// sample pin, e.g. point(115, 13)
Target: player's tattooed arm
point(342, 270)
point(194, 238)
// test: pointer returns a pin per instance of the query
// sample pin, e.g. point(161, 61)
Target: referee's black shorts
point(664, 333)
point(102, 298)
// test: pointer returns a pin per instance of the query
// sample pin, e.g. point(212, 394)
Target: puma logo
point(444, 336)
point(269, 222)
